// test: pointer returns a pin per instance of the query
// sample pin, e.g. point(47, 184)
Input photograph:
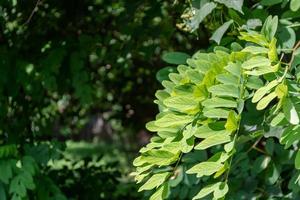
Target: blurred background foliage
point(79, 71)
point(77, 83)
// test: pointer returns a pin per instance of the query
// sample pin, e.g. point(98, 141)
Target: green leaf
point(270, 146)
point(297, 160)
point(2, 192)
point(163, 74)
point(9, 150)
point(17, 186)
point(213, 140)
point(176, 58)
point(182, 103)
point(295, 5)
point(257, 61)
point(29, 164)
point(187, 144)
point(234, 69)
point(27, 180)
point(161, 193)
point(171, 119)
point(229, 146)
point(277, 119)
point(260, 164)
point(286, 37)
point(16, 197)
point(281, 90)
point(205, 131)
point(263, 91)
point(178, 177)
point(207, 190)
point(234, 4)
point(236, 46)
point(227, 79)
point(232, 122)
point(175, 78)
point(290, 135)
point(270, 26)
point(205, 168)
point(263, 70)
point(272, 54)
point(253, 23)
point(216, 102)
point(273, 174)
point(221, 190)
point(161, 95)
point(155, 181)
point(216, 113)
point(160, 157)
point(270, 2)
point(290, 111)
point(6, 171)
point(264, 102)
point(154, 128)
point(252, 36)
point(218, 34)
point(225, 90)
point(256, 50)
point(200, 14)
point(195, 76)
point(254, 83)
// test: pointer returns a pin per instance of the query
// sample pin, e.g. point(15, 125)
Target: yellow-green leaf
point(225, 90)
point(232, 122)
point(155, 181)
point(263, 91)
point(257, 61)
point(216, 102)
point(213, 140)
point(161, 193)
point(206, 190)
point(205, 168)
point(281, 90)
point(264, 102)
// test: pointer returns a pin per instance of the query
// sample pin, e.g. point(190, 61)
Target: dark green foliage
point(66, 66)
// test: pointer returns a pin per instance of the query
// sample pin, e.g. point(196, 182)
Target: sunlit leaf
point(213, 140)
point(290, 111)
point(264, 102)
point(295, 5)
point(264, 90)
point(205, 168)
point(216, 102)
point(234, 4)
point(207, 190)
point(225, 90)
point(200, 14)
point(218, 34)
point(232, 122)
point(154, 181)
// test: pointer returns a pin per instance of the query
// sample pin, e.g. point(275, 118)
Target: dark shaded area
point(82, 71)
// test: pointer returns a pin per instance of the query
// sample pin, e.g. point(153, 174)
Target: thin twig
point(32, 13)
point(254, 144)
point(293, 53)
point(176, 165)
